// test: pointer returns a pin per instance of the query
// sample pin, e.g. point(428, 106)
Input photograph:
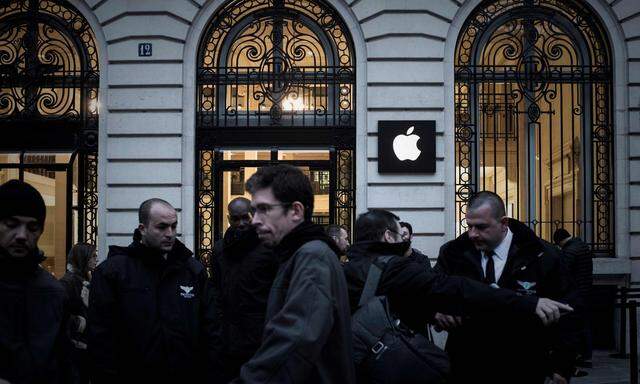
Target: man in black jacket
point(499, 348)
point(406, 231)
point(307, 336)
point(151, 309)
point(414, 292)
point(578, 258)
point(33, 345)
point(246, 271)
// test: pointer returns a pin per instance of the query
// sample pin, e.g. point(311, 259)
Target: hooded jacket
point(307, 336)
point(416, 293)
point(151, 319)
point(246, 271)
point(520, 349)
point(33, 344)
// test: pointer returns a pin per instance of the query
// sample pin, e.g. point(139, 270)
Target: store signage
point(145, 49)
point(407, 146)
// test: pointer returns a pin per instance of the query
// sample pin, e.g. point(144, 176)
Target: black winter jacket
point(578, 258)
point(419, 257)
point(415, 293)
point(152, 320)
point(246, 271)
point(518, 348)
point(307, 338)
point(33, 344)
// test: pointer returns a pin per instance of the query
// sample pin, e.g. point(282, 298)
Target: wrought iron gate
point(274, 74)
point(533, 116)
point(49, 93)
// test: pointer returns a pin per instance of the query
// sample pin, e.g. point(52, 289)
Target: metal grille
point(534, 117)
point(288, 64)
point(49, 89)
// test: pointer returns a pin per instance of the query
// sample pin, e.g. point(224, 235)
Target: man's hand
point(446, 322)
point(557, 379)
point(549, 311)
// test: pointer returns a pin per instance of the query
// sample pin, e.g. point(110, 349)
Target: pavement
point(606, 370)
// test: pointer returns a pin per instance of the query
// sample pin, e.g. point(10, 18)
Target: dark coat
point(307, 338)
point(507, 349)
point(246, 271)
point(33, 345)
point(415, 293)
point(578, 258)
point(73, 283)
point(151, 319)
point(419, 257)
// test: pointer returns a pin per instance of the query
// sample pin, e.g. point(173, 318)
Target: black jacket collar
point(301, 235)
point(525, 246)
point(373, 249)
point(178, 254)
point(20, 267)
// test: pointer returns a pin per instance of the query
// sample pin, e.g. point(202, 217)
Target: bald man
point(245, 271)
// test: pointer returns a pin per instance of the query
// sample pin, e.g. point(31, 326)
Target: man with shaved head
point(496, 347)
point(151, 310)
point(243, 270)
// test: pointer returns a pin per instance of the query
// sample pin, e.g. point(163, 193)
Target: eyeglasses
point(264, 208)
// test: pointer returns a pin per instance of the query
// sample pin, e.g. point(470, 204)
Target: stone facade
point(404, 54)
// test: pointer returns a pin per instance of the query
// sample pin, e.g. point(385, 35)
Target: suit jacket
point(507, 347)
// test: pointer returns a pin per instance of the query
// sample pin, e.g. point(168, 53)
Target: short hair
point(145, 209)
point(560, 234)
point(371, 225)
point(408, 226)
point(334, 230)
point(288, 183)
point(239, 201)
point(486, 197)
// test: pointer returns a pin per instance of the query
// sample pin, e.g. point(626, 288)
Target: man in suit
point(500, 347)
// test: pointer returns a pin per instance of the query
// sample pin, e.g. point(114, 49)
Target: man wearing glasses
point(243, 270)
point(307, 336)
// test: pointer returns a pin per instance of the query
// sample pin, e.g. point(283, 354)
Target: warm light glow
point(94, 105)
point(292, 103)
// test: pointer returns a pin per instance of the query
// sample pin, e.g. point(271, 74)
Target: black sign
point(145, 49)
point(407, 146)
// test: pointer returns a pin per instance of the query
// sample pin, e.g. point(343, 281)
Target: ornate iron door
point(274, 74)
point(534, 116)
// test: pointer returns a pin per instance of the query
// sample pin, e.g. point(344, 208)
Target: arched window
point(49, 116)
point(533, 116)
point(275, 83)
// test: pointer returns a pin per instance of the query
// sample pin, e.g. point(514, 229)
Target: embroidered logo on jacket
point(186, 292)
point(527, 287)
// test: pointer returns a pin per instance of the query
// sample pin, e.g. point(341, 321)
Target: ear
point(141, 228)
point(386, 237)
point(504, 221)
point(297, 211)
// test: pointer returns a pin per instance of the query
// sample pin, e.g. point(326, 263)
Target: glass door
point(237, 166)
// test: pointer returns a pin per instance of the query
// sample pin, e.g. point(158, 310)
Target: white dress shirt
point(501, 254)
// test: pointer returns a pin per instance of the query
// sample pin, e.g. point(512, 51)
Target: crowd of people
point(277, 304)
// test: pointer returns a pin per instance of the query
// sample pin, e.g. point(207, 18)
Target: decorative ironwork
point(289, 64)
point(533, 116)
point(274, 73)
point(49, 89)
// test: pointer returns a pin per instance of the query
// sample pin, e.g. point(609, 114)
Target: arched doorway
point(49, 117)
point(533, 116)
point(275, 83)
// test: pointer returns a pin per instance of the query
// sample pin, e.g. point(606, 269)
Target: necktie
point(490, 270)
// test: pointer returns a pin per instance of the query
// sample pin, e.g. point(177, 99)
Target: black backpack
point(385, 350)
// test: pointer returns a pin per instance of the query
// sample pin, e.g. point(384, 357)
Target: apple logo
point(405, 147)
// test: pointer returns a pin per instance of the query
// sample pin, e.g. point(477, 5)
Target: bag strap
point(373, 279)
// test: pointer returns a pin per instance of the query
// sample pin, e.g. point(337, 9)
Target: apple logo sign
point(405, 146)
